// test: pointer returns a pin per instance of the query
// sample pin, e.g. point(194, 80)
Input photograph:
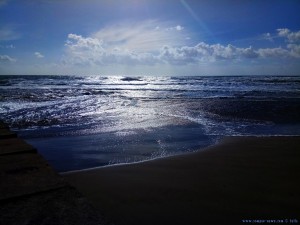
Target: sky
point(150, 37)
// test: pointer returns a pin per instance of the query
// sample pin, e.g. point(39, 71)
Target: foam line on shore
point(218, 141)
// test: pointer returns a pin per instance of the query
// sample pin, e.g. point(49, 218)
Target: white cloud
point(292, 37)
point(116, 47)
point(89, 51)
point(268, 36)
point(179, 28)
point(176, 28)
point(203, 52)
point(81, 50)
point(143, 36)
point(6, 58)
point(292, 49)
point(38, 55)
point(274, 53)
point(295, 50)
point(78, 42)
point(123, 43)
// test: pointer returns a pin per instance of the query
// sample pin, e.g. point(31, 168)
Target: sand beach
point(238, 180)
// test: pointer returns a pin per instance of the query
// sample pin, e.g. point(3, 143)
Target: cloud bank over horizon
point(101, 49)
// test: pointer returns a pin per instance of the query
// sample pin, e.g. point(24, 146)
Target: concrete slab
point(65, 206)
point(15, 146)
point(25, 174)
point(32, 193)
point(5, 133)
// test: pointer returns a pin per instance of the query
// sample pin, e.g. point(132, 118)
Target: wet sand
point(241, 178)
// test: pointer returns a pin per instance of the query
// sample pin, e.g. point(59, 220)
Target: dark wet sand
point(240, 178)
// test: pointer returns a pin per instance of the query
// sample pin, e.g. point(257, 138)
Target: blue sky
point(150, 37)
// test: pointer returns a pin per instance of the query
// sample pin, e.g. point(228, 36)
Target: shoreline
point(237, 179)
point(170, 156)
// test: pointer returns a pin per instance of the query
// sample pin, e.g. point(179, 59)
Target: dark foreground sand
point(238, 179)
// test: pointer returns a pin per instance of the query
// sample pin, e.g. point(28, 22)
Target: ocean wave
point(131, 79)
point(67, 97)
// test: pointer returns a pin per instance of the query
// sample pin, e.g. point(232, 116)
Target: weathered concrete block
point(24, 174)
point(32, 193)
point(5, 133)
point(15, 146)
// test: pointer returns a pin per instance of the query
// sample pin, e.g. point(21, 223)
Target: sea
point(81, 122)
